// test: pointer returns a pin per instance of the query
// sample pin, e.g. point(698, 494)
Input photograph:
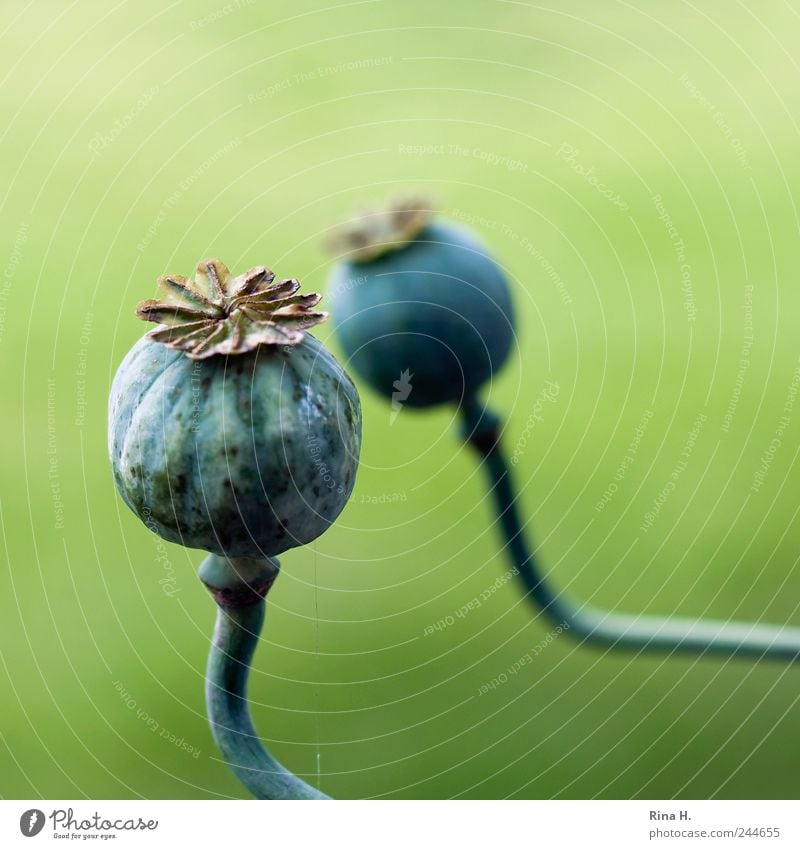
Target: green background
point(141, 137)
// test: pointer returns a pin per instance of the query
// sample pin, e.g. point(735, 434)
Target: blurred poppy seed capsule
point(420, 301)
point(230, 428)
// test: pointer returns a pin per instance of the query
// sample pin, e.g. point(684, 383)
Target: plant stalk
point(239, 587)
point(481, 428)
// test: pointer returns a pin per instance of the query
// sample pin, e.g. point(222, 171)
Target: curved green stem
point(593, 625)
point(239, 587)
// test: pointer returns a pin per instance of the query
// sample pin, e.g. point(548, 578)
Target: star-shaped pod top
point(378, 231)
point(219, 314)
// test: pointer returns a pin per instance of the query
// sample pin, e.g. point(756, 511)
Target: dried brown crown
point(378, 231)
point(219, 314)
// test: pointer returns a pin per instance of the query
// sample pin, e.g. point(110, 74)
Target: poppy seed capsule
point(419, 301)
point(240, 434)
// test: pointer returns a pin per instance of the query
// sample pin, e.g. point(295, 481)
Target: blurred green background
point(635, 168)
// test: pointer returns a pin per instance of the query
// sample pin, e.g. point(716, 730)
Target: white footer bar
point(405, 825)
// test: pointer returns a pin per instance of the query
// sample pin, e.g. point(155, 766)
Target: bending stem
point(235, 639)
point(601, 627)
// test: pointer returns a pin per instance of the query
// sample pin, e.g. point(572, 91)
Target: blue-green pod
point(242, 454)
point(432, 310)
